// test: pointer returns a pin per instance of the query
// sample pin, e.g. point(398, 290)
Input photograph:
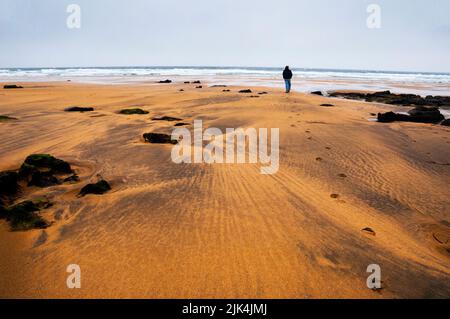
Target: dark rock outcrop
point(46, 161)
point(72, 179)
point(326, 105)
point(417, 115)
point(181, 124)
point(3, 210)
point(98, 188)
point(317, 93)
point(437, 100)
point(23, 216)
point(426, 115)
point(9, 185)
point(165, 82)
point(197, 82)
point(79, 109)
point(166, 118)
point(387, 97)
point(40, 170)
point(158, 138)
point(12, 86)
point(245, 91)
point(390, 117)
point(349, 95)
point(446, 122)
point(199, 87)
point(6, 118)
point(43, 179)
point(133, 111)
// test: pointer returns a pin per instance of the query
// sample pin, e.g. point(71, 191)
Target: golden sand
point(226, 231)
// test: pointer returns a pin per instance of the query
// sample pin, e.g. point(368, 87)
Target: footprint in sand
point(41, 239)
point(319, 159)
point(328, 148)
point(442, 237)
point(58, 214)
point(369, 231)
point(342, 175)
point(335, 196)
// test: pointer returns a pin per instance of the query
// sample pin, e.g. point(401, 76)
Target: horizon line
point(227, 67)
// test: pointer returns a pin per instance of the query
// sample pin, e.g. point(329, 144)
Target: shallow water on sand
point(305, 80)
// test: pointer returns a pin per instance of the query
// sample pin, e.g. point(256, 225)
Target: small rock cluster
point(39, 170)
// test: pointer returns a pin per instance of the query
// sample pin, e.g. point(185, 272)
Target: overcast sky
point(414, 34)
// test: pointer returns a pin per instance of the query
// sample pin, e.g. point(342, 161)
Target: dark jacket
point(287, 74)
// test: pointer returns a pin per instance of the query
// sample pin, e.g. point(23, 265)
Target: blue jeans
point(288, 85)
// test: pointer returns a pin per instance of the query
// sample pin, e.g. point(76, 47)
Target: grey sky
point(303, 33)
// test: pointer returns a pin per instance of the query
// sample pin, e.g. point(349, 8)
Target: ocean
point(305, 80)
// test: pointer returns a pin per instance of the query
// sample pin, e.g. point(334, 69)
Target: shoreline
point(305, 80)
point(298, 87)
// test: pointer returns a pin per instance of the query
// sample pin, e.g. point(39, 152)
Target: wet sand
point(226, 231)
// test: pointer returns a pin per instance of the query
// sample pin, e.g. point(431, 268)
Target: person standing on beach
point(287, 76)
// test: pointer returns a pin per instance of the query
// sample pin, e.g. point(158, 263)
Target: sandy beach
point(169, 230)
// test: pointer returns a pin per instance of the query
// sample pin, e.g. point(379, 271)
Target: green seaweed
point(23, 216)
point(40, 169)
point(46, 161)
point(43, 179)
point(26, 170)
